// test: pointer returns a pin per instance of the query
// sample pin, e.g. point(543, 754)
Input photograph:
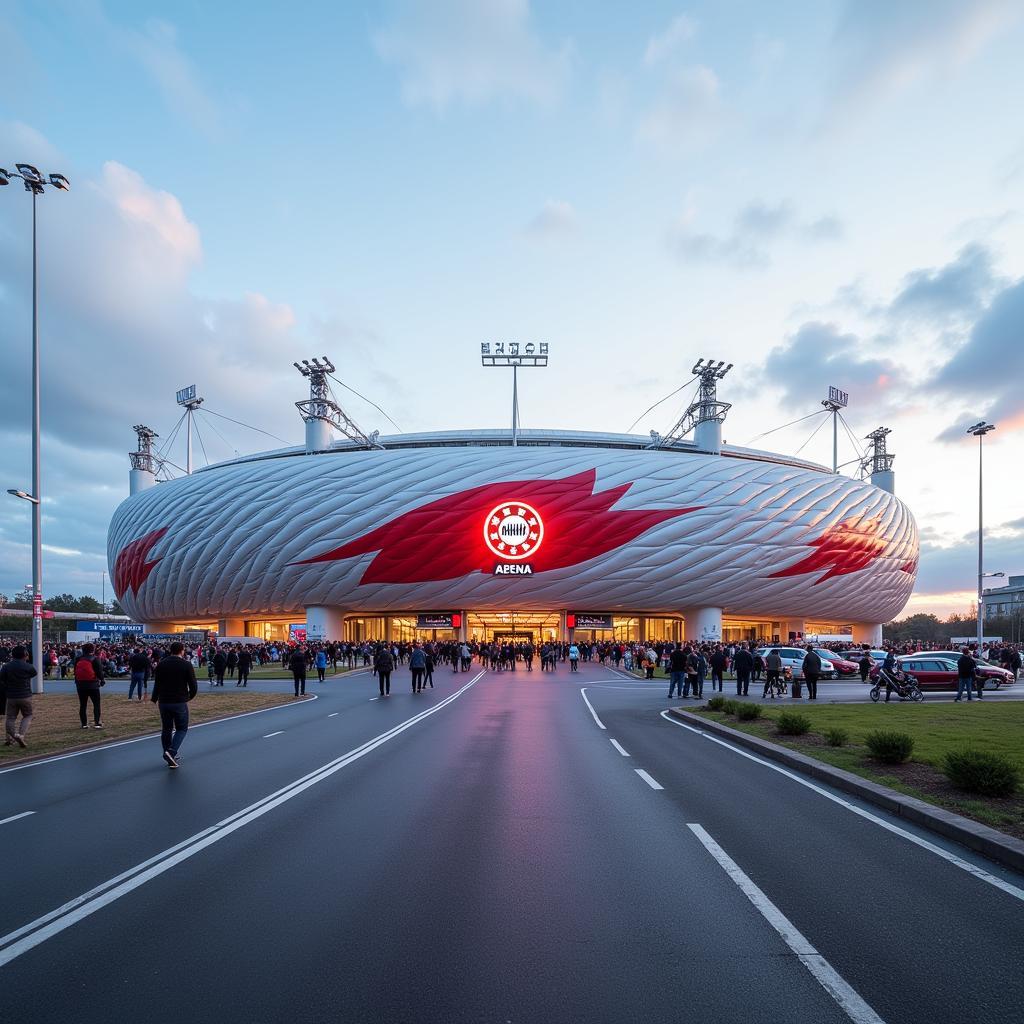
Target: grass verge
point(56, 728)
point(936, 729)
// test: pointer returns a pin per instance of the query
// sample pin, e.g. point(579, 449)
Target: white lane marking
point(38, 931)
point(375, 698)
point(618, 746)
point(149, 736)
point(333, 714)
point(15, 817)
point(653, 783)
point(964, 865)
point(824, 973)
point(269, 734)
point(583, 694)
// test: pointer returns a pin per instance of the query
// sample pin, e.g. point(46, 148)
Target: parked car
point(793, 659)
point(855, 654)
point(937, 672)
point(843, 666)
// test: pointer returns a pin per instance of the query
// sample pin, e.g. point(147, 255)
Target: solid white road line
point(148, 736)
point(269, 734)
point(952, 858)
point(827, 976)
point(38, 931)
point(15, 817)
point(618, 746)
point(333, 714)
point(653, 783)
point(583, 694)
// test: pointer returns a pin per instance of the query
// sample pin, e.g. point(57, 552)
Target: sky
point(821, 193)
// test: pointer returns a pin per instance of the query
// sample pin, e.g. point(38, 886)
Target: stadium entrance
point(513, 626)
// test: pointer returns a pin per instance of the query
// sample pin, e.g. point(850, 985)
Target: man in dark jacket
point(88, 680)
point(677, 671)
point(297, 664)
point(244, 665)
point(719, 663)
point(16, 683)
point(965, 667)
point(812, 672)
point(138, 665)
point(743, 663)
point(174, 685)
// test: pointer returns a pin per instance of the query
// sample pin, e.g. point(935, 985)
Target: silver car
point(793, 659)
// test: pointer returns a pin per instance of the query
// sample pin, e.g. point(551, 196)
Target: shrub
point(978, 771)
point(730, 706)
point(792, 723)
point(746, 712)
point(890, 746)
point(716, 703)
point(837, 737)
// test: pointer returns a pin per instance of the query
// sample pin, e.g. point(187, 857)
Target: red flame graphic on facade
point(131, 569)
point(909, 567)
point(444, 540)
point(849, 546)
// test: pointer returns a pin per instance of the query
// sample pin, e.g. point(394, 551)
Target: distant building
point(1004, 601)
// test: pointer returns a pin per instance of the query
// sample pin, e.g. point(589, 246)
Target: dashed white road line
point(21, 940)
point(952, 858)
point(333, 714)
point(824, 973)
point(653, 783)
point(15, 817)
point(590, 707)
point(619, 747)
point(269, 734)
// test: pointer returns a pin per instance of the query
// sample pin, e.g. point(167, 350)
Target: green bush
point(792, 723)
point(837, 737)
point(716, 703)
point(890, 746)
point(730, 706)
point(978, 771)
point(747, 712)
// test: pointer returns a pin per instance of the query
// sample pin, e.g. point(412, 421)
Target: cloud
point(747, 245)
point(882, 48)
point(948, 567)
point(659, 47)
point(556, 219)
point(687, 111)
point(471, 52)
point(957, 290)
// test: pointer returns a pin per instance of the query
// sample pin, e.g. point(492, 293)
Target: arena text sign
point(513, 532)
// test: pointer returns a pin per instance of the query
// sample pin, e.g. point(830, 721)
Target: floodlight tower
point(706, 414)
point(879, 461)
point(514, 354)
point(144, 462)
point(187, 398)
point(836, 400)
point(321, 413)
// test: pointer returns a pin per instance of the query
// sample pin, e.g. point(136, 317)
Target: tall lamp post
point(35, 184)
point(979, 430)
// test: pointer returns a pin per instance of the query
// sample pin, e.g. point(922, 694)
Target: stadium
point(540, 534)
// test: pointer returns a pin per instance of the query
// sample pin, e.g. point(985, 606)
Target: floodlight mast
point(706, 413)
point(187, 398)
point(836, 400)
point(321, 413)
point(514, 354)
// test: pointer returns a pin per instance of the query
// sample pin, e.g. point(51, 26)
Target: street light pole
point(979, 430)
point(35, 183)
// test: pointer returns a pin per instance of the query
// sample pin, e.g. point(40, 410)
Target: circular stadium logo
point(513, 530)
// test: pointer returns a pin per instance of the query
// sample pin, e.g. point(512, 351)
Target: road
point(503, 848)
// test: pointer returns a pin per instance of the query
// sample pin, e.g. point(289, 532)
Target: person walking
point(138, 665)
point(174, 685)
point(574, 658)
point(417, 665)
point(244, 667)
point(743, 663)
point(220, 664)
point(88, 680)
point(812, 672)
point(383, 666)
point(865, 665)
point(16, 678)
point(297, 664)
point(428, 669)
point(232, 662)
point(321, 664)
point(677, 671)
point(965, 668)
point(719, 662)
point(772, 673)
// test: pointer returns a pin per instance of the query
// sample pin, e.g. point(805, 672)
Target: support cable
point(813, 432)
point(792, 423)
point(213, 427)
point(201, 445)
point(368, 402)
point(249, 426)
point(856, 444)
point(658, 402)
point(166, 446)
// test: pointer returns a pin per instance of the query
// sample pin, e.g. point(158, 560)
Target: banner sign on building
point(110, 627)
point(190, 636)
point(297, 632)
point(439, 620)
point(588, 620)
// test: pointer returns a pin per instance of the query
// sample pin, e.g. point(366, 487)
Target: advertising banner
point(110, 627)
point(591, 620)
point(439, 620)
point(297, 632)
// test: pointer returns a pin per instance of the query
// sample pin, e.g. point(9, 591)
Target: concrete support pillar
point(792, 626)
point(231, 627)
point(563, 631)
point(885, 480)
point(867, 633)
point(703, 624)
point(323, 623)
point(707, 436)
point(388, 635)
point(140, 480)
point(464, 628)
point(641, 629)
point(161, 627)
point(318, 435)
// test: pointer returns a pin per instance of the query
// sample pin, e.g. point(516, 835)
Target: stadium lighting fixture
point(979, 430)
point(514, 354)
point(35, 183)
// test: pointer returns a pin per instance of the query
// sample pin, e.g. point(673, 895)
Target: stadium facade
point(546, 534)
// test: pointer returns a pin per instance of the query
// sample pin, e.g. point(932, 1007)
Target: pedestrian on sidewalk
point(383, 666)
point(428, 670)
point(743, 662)
point(16, 678)
point(88, 680)
point(244, 666)
point(321, 664)
point(220, 664)
point(138, 665)
point(677, 671)
point(174, 685)
point(773, 673)
point(719, 662)
point(417, 665)
point(812, 671)
point(965, 668)
point(297, 664)
point(574, 658)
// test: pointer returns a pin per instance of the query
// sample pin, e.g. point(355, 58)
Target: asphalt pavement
point(507, 847)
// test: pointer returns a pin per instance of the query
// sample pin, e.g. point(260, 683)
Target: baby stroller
point(902, 684)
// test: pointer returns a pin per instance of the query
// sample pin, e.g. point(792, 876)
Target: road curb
point(972, 834)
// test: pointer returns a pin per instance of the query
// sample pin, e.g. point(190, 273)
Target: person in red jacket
point(88, 680)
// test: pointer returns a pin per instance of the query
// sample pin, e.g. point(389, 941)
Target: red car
point(935, 672)
point(843, 666)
